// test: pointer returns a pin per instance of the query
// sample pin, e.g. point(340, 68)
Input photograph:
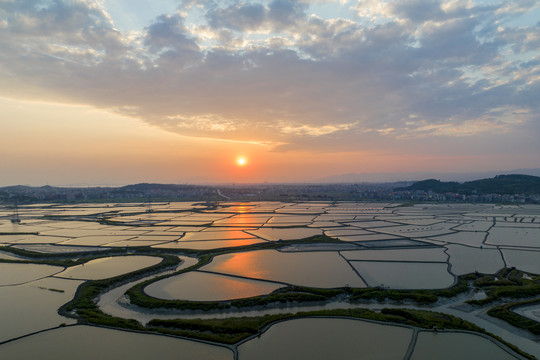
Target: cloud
point(279, 74)
point(239, 17)
point(168, 38)
point(277, 16)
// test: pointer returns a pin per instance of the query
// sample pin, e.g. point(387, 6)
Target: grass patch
point(504, 312)
point(506, 284)
point(234, 329)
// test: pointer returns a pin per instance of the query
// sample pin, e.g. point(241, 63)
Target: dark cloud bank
point(276, 73)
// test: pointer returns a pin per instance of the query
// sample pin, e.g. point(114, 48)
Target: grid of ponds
point(373, 245)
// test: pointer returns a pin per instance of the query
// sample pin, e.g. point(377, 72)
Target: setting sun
point(241, 161)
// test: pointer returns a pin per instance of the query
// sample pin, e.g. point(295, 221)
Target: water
point(90, 343)
point(465, 238)
point(466, 259)
point(274, 234)
point(109, 266)
point(451, 346)
point(316, 269)
point(198, 286)
point(326, 338)
point(208, 244)
point(402, 275)
point(217, 235)
point(12, 274)
point(33, 307)
point(523, 260)
point(514, 236)
point(429, 254)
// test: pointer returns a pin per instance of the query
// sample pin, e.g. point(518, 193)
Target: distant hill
point(416, 176)
point(500, 184)
point(155, 187)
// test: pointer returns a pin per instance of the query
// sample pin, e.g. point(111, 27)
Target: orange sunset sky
point(117, 92)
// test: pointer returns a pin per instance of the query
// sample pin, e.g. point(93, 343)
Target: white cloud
point(268, 72)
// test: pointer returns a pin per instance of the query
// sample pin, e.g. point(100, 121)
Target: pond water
point(428, 254)
point(418, 222)
point(465, 259)
point(135, 242)
point(40, 239)
point(326, 225)
point(453, 345)
point(58, 249)
point(109, 266)
point(208, 244)
point(207, 217)
point(157, 238)
point(370, 224)
point(402, 275)
point(334, 217)
point(327, 338)
point(109, 302)
point(316, 269)
point(369, 237)
point(514, 236)
point(81, 233)
point(12, 274)
point(523, 260)
point(244, 220)
point(531, 311)
point(217, 235)
point(463, 237)
point(418, 230)
point(475, 226)
point(90, 343)
point(200, 286)
point(287, 218)
point(184, 222)
point(273, 234)
point(97, 240)
point(346, 231)
point(398, 243)
point(33, 306)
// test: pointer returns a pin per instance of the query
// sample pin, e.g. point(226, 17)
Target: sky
point(115, 92)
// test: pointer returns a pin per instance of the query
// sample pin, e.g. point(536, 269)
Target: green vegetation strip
point(504, 312)
point(65, 259)
point(84, 305)
point(290, 294)
point(235, 329)
point(507, 283)
point(37, 255)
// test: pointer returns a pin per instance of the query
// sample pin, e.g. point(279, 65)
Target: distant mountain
point(154, 186)
point(500, 184)
point(416, 176)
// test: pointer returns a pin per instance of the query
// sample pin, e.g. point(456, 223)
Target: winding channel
point(113, 303)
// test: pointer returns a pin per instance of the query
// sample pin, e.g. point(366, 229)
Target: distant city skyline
point(127, 91)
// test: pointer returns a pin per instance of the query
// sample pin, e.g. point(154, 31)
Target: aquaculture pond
point(13, 273)
point(200, 286)
point(90, 343)
point(326, 338)
point(108, 267)
point(32, 307)
point(404, 275)
point(316, 269)
point(453, 345)
point(279, 258)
